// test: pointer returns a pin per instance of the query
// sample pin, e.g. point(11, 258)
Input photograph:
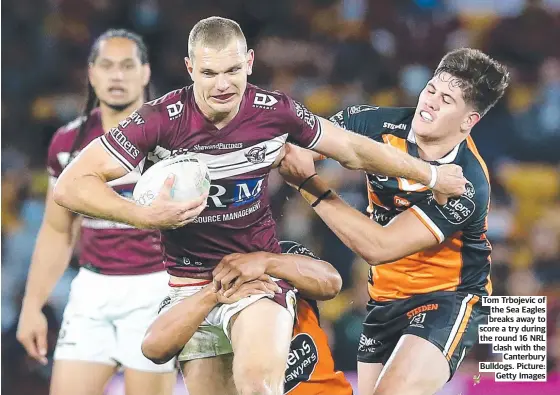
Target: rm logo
point(174, 110)
point(264, 101)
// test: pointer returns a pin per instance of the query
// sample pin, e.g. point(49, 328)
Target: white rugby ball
point(192, 179)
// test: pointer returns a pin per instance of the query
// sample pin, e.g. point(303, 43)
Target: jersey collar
point(449, 158)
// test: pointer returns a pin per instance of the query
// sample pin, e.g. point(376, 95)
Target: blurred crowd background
point(327, 54)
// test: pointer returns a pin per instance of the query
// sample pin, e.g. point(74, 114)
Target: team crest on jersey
point(301, 361)
point(256, 154)
point(470, 192)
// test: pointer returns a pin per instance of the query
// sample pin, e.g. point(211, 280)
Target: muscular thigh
point(209, 376)
point(261, 336)
point(407, 374)
point(368, 374)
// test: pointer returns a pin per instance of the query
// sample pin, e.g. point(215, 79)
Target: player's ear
point(470, 120)
point(250, 61)
point(189, 65)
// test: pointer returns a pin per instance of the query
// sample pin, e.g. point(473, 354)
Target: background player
point(117, 291)
point(239, 131)
point(425, 307)
point(310, 367)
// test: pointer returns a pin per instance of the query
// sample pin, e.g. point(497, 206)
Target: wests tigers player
point(430, 257)
point(239, 131)
point(121, 282)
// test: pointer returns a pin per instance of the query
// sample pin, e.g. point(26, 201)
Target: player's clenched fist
point(450, 181)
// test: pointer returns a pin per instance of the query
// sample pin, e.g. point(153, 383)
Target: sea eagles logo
point(256, 155)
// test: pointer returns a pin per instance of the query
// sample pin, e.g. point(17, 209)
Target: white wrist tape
point(433, 180)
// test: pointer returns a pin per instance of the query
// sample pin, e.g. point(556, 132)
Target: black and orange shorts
point(449, 320)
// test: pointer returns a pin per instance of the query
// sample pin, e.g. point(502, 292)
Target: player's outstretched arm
point(82, 188)
point(50, 259)
point(376, 244)
point(358, 152)
point(314, 278)
point(174, 328)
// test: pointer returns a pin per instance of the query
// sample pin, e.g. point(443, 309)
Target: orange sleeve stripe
point(462, 327)
point(436, 232)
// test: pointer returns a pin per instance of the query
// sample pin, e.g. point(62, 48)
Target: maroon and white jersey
point(239, 157)
point(106, 247)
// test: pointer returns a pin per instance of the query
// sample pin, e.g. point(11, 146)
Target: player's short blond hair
point(216, 32)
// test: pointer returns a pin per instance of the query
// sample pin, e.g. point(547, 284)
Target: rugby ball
point(192, 179)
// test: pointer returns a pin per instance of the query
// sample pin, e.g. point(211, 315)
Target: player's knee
point(258, 382)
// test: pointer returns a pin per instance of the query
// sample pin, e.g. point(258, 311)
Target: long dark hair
point(92, 99)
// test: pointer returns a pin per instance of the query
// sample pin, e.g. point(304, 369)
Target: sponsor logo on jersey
point(134, 117)
point(401, 202)
point(189, 262)
point(264, 101)
point(422, 309)
point(164, 303)
point(392, 126)
point(457, 211)
point(360, 108)
point(302, 360)
point(300, 249)
point(307, 116)
point(218, 146)
point(381, 217)
point(338, 119)
point(175, 110)
point(239, 193)
point(122, 140)
point(368, 344)
point(256, 154)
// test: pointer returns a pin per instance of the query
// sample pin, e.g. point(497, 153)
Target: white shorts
point(212, 337)
point(107, 317)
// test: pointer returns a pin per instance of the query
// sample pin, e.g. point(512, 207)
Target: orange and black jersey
point(461, 262)
point(310, 366)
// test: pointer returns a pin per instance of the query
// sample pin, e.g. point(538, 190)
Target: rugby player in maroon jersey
point(239, 131)
point(121, 282)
